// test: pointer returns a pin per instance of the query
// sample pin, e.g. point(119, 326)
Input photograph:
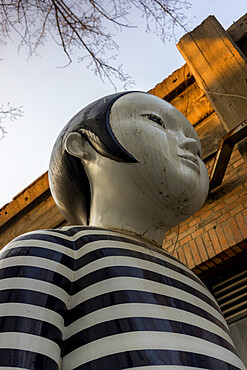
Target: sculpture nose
point(188, 144)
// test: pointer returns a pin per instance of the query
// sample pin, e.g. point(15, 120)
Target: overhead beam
point(220, 70)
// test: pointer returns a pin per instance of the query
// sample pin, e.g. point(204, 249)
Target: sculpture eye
point(156, 119)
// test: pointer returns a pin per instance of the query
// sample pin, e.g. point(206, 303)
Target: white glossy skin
point(167, 185)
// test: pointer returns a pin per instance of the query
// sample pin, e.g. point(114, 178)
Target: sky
point(50, 96)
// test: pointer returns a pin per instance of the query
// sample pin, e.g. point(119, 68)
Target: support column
point(220, 70)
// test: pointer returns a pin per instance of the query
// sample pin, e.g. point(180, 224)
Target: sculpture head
point(129, 161)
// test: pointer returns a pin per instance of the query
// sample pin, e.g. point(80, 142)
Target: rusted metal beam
point(224, 153)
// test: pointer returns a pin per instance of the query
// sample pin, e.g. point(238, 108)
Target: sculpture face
point(167, 184)
point(167, 148)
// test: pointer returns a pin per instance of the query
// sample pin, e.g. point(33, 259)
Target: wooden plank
point(183, 77)
point(24, 199)
point(238, 29)
point(193, 103)
point(173, 84)
point(219, 68)
point(210, 132)
point(44, 215)
point(191, 100)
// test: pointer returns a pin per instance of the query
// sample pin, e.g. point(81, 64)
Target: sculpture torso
point(90, 298)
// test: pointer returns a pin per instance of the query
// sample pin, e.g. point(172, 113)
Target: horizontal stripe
point(12, 368)
point(110, 273)
point(143, 324)
point(76, 242)
point(135, 296)
point(31, 326)
point(99, 244)
point(129, 283)
point(132, 267)
point(41, 253)
point(98, 235)
point(121, 250)
point(102, 248)
point(146, 265)
point(48, 237)
point(40, 263)
point(12, 359)
point(31, 343)
point(166, 360)
point(33, 312)
point(76, 228)
point(109, 234)
point(67, 284)
point(166, 367)
point(55, 256)
point(37, 262)
point(36, 243)
point(36, 273)
point(76, 233)
point(129, 310)
point(131, 245)
point(68, 231)
point(57, 279)
point(146, 341)
point(34, 285)
point(33, 298)
point(104, 237)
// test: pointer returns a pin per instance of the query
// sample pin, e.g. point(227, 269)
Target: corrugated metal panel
point(231, 295)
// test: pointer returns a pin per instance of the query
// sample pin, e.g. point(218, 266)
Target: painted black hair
point(68, 180)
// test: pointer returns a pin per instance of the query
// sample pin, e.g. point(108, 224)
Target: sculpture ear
point(77, 146)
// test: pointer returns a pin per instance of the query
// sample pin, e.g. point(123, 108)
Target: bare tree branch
point(83, 26)
point(8, 113)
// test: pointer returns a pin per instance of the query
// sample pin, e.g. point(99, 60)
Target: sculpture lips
point(191, 158)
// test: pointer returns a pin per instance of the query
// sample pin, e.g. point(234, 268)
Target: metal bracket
point(224, 153)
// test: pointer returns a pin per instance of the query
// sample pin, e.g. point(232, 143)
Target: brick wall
point(217, 231)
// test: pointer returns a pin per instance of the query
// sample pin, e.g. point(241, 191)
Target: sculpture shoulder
point(58, 245)
point(66, 238)
point(65, 242)
point(53, 239)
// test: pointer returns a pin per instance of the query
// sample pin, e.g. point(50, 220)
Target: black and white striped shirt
point(88, 298)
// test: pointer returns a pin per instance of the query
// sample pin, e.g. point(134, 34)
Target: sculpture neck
point(137, 227)
point(118, 203)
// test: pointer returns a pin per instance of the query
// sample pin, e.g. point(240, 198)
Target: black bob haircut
point(68, 180)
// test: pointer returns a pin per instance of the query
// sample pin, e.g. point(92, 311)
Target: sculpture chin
point(145, 213)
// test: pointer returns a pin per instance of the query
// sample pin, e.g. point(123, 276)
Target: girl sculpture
point(105, 295)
